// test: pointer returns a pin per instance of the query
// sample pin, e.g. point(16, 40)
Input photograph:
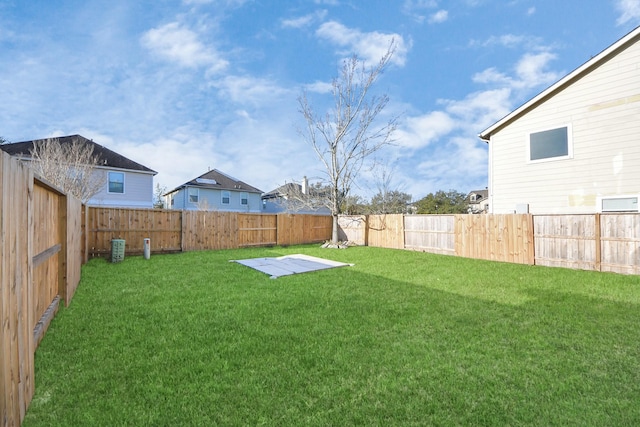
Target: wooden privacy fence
point(601, 242)
point(40, 260)
point(176, 231)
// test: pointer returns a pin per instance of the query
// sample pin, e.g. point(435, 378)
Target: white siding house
point(127, 184)
point(215, 191)
point(574, 148)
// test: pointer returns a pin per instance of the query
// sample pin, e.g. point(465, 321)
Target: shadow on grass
point(196, 340)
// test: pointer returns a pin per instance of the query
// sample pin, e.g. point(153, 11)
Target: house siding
point(138, 190)
point(603, 110)
point(211, 199)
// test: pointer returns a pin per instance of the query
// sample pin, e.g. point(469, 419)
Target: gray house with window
point(574, 148)
point(215, 191)
point(127, 184)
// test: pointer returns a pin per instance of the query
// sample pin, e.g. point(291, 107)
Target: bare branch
point(70, 167)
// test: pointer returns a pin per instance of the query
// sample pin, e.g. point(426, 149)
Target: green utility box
point(117, 250)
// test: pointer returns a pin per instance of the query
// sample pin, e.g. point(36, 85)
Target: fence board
point(430, 233)
point(75, 243)
point(16, 340)
point(204, 230)
point(386, 231)
point(35, 268)
point(317, 228)
point(299, 229)
point(163, 227)
point(566, 241)
point(620, 243)
point(506, 238)
point(353, 228)
point(257, 230)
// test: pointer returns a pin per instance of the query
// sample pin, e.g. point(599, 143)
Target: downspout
point(487, 140)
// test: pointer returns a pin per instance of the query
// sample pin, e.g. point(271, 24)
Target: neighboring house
point(295, 198)
point(575, 147)
point(215, 191)
point(478, 201)
point(127, 184)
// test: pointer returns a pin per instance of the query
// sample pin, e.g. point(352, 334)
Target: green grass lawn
point(401, 338)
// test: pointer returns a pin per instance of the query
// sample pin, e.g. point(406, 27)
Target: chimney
point(305, 185)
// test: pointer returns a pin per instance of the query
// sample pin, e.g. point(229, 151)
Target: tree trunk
point(334, 230)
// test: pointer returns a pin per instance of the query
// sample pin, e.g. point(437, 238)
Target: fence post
point(531, 243)
point(62, 255)
point(182, 230)
point(366, 230)
point(598, 237)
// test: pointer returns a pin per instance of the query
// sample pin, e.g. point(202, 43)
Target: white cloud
point(420, 131)
point(319, 87)
point(416, 8)
point(247, 90)
point(532, 70)
point(505, 40)
point(491, 75)
point(410, 5)
point(439, 17)
point(629, 11)
point(531, 11)
point(182, 46)
point(219, 2)
point(478, 110)
point(304, 21)
point(368, 46)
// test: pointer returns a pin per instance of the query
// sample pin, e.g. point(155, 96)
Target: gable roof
point(283, 190)
point(482, 193)
point(217, 180)
point(622, 44)
point(107, 158)
point(293, 188)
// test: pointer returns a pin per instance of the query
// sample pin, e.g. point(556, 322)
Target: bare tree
point(348, 133)
point(158, 199)
point(389, 199)
point(69, 166)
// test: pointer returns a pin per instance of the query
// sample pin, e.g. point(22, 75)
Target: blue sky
point(183, 86)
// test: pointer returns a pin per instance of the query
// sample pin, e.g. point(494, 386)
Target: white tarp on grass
point(290, 264)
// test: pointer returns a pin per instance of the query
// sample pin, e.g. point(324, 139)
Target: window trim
point(228, 193)
point(109, 182)
point(569, 154)
point(197, 194)
point(244, 198)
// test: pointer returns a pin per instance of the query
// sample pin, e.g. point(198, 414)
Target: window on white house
point(116, 182)
point(620, 204)
point(550, 144)
point(472, 198)
point(244, 198)
point(194, 195)
point(226, 197)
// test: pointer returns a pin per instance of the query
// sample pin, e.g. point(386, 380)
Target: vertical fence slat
point(16, 341)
